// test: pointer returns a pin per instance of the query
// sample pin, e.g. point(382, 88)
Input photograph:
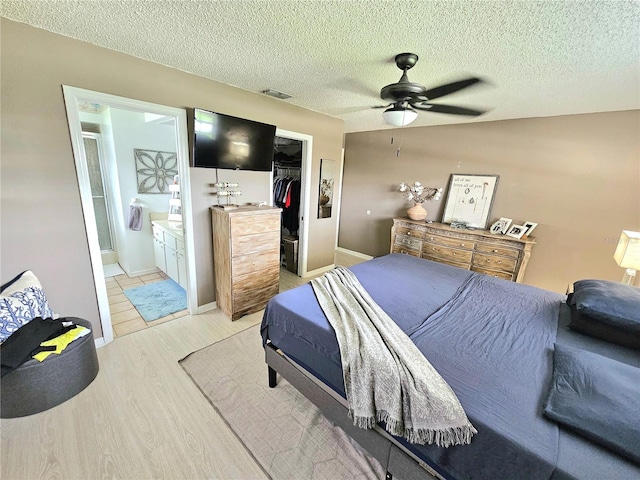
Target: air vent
point(274, 93)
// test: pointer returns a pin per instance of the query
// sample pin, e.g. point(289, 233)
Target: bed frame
point(393, 456)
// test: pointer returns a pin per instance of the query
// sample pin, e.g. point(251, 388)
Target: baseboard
point(354, 253)
point(99, 342)
point(206, 308)
point(139, 273)
point(319, 271)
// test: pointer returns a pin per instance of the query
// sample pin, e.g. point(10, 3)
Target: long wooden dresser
point(246, 258)
point(478, 250)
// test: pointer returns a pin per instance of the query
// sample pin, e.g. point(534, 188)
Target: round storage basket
point(37, 386)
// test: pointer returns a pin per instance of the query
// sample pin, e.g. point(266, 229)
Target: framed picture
point(501, 226)
point(517, 231)
point(506, 223)
point(529, 226)
point(469, 199)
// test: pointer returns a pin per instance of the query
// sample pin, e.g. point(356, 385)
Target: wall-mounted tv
point(222, 141)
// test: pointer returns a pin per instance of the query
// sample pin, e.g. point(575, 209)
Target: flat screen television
point(222, 141)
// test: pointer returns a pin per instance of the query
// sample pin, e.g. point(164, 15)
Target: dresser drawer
point(251, 292)
point(253, 280)
point(247, 244)
point(252, 301)
point(255, 262)
point(493, 273)
point(450, 242)
point(464, 266)
point(408, 242)
point(249, 225)
point(410, 232)
point(451, 254)
point(406, 251)
point(493, 250)
point(494, 262)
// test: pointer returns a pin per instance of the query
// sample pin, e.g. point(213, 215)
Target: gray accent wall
point(577, 176)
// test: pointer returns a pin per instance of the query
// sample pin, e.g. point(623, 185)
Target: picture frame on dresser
point(500, 226)
point(470, 199)
point(517, 231)
point(529, 227)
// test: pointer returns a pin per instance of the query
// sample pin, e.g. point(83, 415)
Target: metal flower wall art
point(155, 170)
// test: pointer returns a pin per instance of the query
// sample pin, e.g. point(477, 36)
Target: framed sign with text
point(469, 199)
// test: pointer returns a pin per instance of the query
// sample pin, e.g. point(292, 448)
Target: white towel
point(135, 217)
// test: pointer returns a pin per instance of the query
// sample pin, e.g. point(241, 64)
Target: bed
point(491, 340)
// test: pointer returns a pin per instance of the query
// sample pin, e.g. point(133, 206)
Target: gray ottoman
point(37, 386)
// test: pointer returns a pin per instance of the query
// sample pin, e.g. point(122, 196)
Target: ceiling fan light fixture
point(399, 116)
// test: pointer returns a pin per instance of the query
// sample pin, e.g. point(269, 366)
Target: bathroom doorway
point(104, 117)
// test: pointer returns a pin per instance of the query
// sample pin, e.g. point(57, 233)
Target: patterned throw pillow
point(21, 300)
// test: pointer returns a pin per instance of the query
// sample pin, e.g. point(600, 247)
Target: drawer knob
point(488, 260)
point(454, 253)
point(462, 244)
point(495, 251)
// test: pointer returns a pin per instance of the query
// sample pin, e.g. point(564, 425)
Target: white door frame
point(72, 97)
point(305, 188)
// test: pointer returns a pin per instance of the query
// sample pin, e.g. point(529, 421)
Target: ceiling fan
point(406, 97)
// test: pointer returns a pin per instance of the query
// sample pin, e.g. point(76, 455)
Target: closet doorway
point(290, 191)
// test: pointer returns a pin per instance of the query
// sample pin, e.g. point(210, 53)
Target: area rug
point(158, 299)
point(286, 433)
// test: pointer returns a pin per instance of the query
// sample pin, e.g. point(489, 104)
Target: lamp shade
point(628, 251)
point(399, 116)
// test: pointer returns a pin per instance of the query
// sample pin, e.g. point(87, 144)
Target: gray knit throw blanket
point(386, 377)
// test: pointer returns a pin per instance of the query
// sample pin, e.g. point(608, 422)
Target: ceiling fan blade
point(449, 88)
point(382, 106)
point(453, 110)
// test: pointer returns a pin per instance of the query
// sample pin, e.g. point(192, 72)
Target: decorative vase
point(417, 212)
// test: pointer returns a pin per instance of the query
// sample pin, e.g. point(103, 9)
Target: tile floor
point(124, 316)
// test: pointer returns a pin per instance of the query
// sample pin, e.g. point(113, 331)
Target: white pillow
point(22, 300)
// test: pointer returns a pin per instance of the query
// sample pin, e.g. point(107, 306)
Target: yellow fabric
point(60, 342)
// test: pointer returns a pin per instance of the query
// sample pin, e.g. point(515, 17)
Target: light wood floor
point(124, 316)
point(141, 418)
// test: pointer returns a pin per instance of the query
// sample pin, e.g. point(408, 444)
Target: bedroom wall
point(42, 222)
point(577, 176)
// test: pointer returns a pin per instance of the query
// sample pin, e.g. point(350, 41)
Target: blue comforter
point(490, 339)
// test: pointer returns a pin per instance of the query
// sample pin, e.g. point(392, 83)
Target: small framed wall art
point(469, 199)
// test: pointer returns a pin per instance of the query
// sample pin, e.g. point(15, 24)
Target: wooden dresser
point(246, 258)
point(478, 250)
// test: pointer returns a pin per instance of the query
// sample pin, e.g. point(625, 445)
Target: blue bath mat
point(157, 300)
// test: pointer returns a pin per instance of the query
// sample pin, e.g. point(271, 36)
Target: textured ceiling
point(542, 58)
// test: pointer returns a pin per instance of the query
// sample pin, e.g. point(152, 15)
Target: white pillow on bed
point(21, 300)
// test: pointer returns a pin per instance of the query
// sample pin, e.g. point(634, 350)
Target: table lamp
point(628, 255)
